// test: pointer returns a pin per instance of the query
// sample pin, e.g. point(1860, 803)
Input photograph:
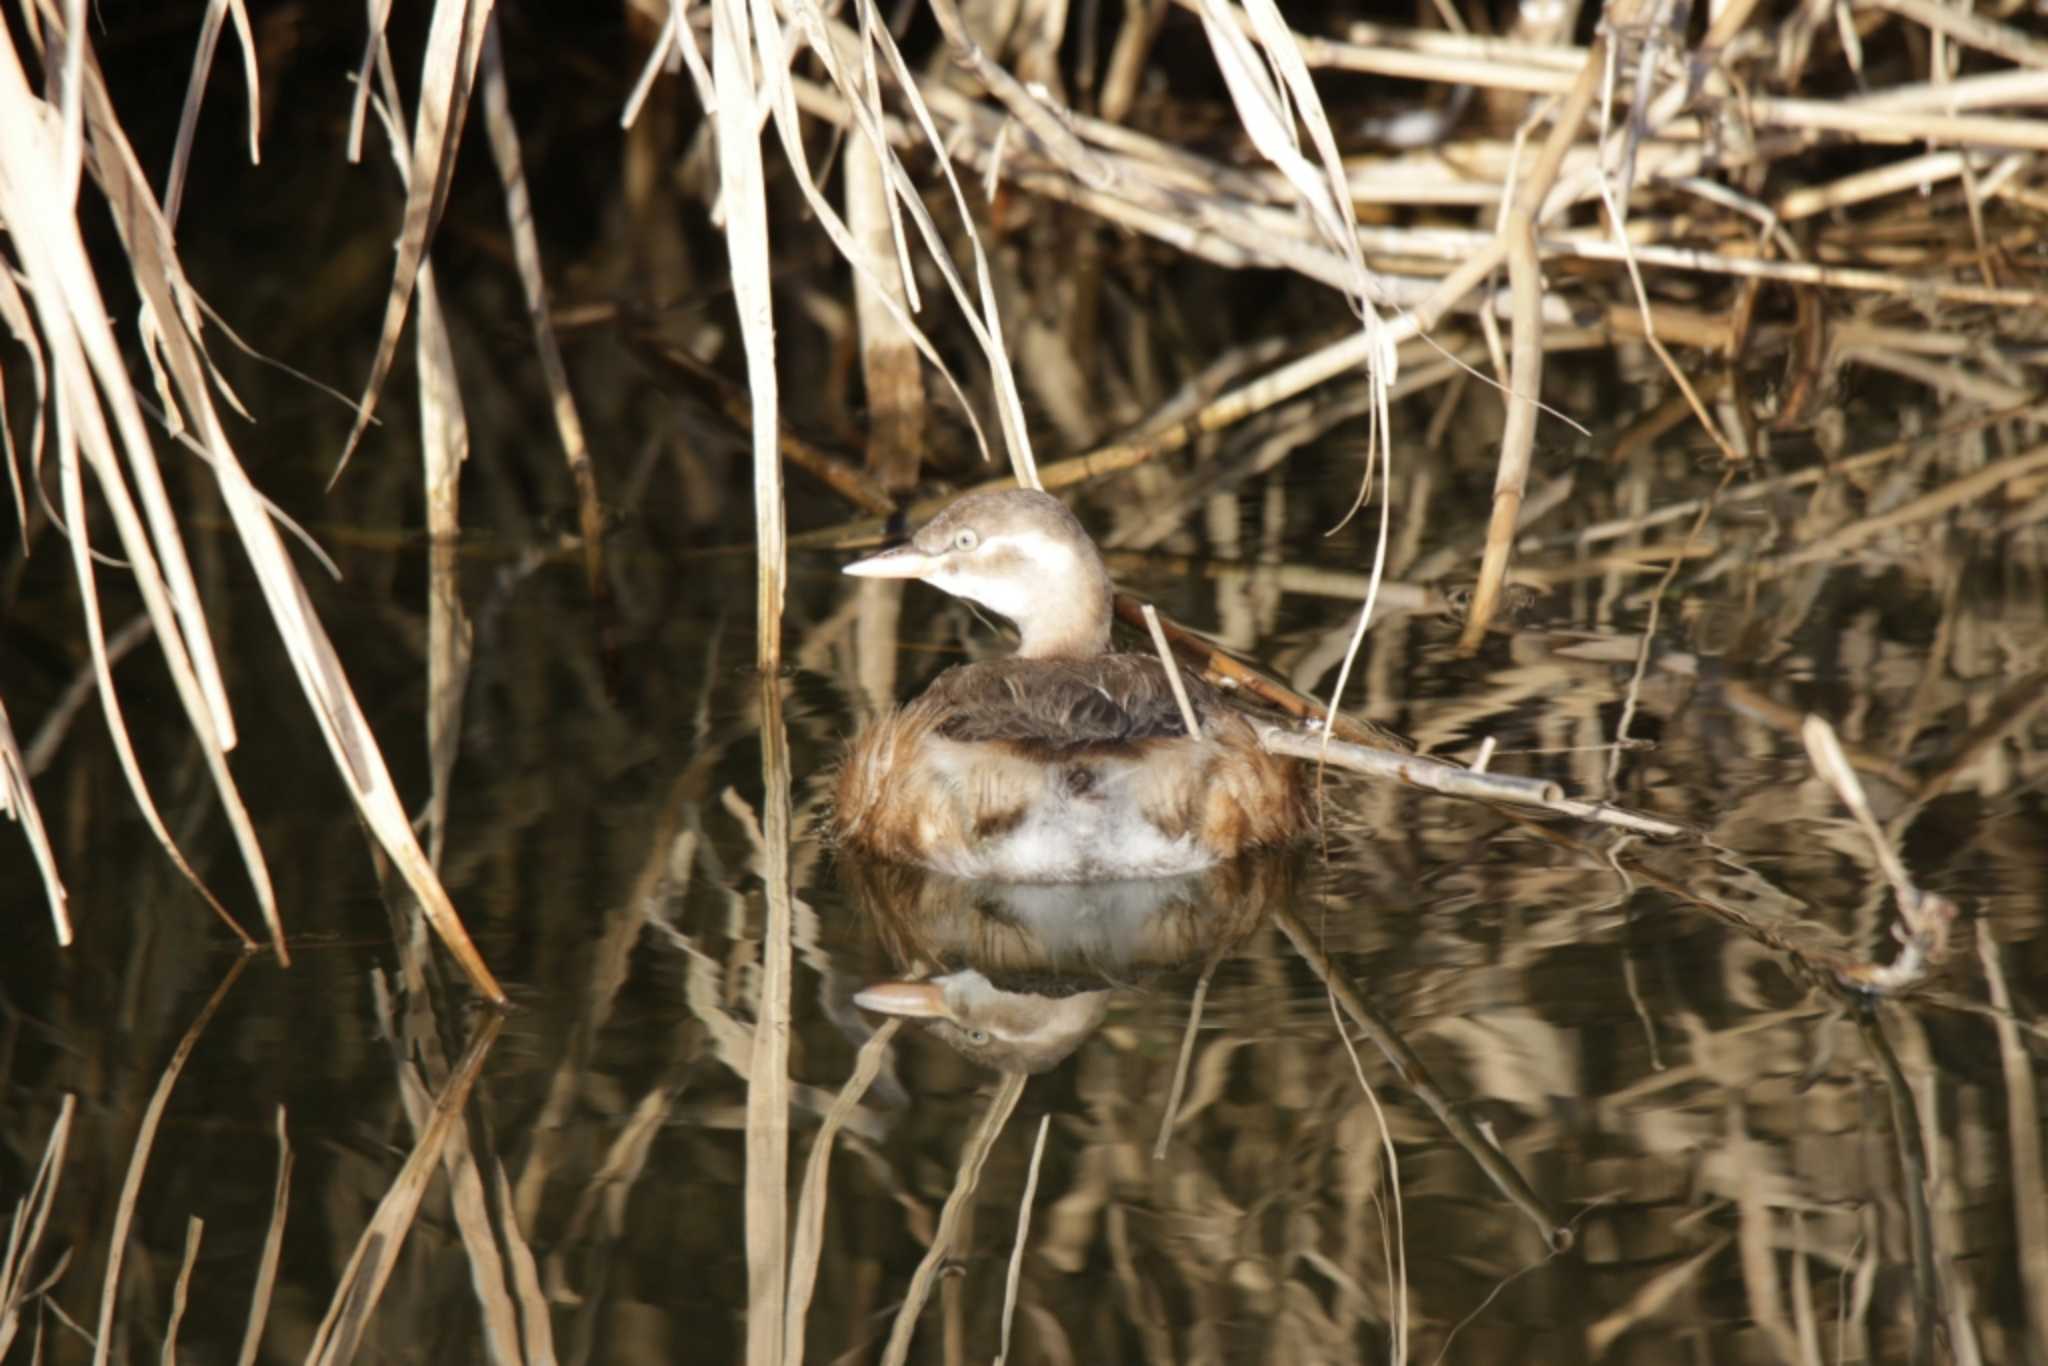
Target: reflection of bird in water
point(1066, 763)
point(1016, 975)
point(1010, 1031)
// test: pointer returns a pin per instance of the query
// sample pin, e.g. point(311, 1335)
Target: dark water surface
point(1647, 1031)
point(1637, 1116)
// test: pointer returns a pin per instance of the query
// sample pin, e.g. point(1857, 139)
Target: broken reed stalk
point(1525, 368)
point(362, 1280)
point(273, 1246)
point(966, 1179)
point(30, 1219)
point(138, 1159)
point(1017, 1245)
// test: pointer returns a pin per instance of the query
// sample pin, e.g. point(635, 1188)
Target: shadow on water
point(1492, 1087)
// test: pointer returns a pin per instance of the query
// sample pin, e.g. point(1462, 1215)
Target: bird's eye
point(966, 538)
point(977, 1037)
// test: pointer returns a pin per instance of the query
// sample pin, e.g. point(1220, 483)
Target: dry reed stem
point(273, 1246)
point(455, 36)
point(767, 1192)
point(1928, 505)
point(967, 1178)
point(1765, 489)
point(1913, 1176)
point(1524, 378)
point(1394, 1240)
point(744, 197)
point(2023, 1137)
point(362, 1280)
point(26, 1226)
point(504, 140)
point(1017, 1245)
point(837, 48)
point(1973, 30)
point(851, 483)
point(1652, 1297)
point(195, 1228)
point(444, 447)
point(889, 366)
point(1919, 173)
point(138, 1159)
point(172, 325)
point(2013, 708)
point(812, 1202)
point(92, 386)
point(1413, 769)
point(1169, 1114)
point(1188, 718)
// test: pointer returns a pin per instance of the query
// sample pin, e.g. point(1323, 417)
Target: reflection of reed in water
point(1015, 976)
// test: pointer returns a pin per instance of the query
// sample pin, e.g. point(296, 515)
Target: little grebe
point(1064, 763)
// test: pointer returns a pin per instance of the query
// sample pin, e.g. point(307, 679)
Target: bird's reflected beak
point(911, 1000)
point(903, 562)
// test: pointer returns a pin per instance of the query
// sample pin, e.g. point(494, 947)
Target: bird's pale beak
point(903, 562)
point(911, 1000)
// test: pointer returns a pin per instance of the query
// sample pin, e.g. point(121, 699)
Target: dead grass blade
point(1269, 115)
point(195, 91)
point(838, 48)
point(72, 486)
point(91, 385)
point(138, 1159)
point(15, 312)
point(171, 329)
point(448, 71)
point(273, 1245)
point(18, 800)
point(362, 1281)
point(31, 1217)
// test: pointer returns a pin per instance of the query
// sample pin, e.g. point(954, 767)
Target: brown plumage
point(1064, 763)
